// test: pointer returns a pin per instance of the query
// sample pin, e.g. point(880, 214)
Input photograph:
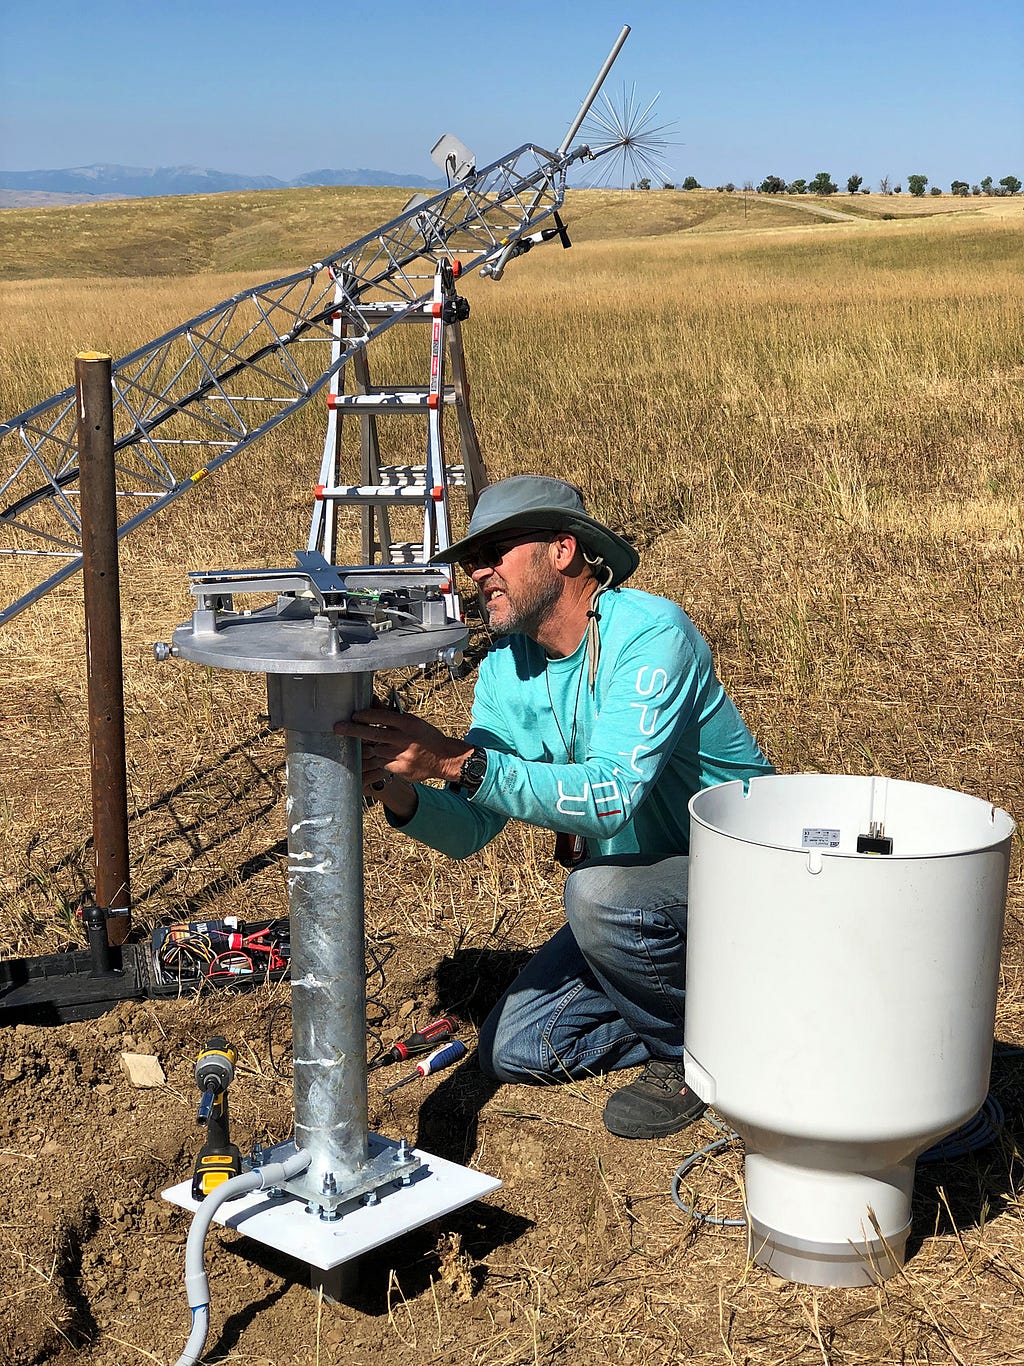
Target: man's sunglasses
point(491, 553)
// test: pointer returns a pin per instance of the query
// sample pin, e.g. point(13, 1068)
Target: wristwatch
point(474, 769)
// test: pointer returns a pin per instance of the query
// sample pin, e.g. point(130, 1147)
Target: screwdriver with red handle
point(432, 1034)
point(441, 1057)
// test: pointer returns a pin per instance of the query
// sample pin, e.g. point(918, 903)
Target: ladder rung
point(411, 400)
point(405, 552)
point(388, 475)
point(376, 493)
point(385, 309)
point(397, 483)
point(376, 390)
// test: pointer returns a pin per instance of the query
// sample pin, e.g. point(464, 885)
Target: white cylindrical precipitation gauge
point(843, 948)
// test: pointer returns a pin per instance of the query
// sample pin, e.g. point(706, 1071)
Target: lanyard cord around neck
point(570, 746)
point(590, 659)
point(594, 616)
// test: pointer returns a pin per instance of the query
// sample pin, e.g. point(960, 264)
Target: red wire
point(234, 955)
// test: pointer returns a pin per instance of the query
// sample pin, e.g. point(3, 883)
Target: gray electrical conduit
point(197, 1286)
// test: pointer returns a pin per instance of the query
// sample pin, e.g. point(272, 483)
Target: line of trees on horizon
point(823, 184)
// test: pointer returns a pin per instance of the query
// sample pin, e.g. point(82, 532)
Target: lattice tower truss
point(191, 400)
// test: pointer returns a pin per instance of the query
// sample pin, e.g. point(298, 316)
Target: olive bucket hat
point(533, 502)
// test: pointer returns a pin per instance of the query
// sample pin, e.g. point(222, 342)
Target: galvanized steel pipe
point(319, 667)
point(325, 893)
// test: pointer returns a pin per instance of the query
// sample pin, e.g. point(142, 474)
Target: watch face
point(475, 767)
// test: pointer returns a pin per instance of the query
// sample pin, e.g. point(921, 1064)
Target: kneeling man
point(598, 715)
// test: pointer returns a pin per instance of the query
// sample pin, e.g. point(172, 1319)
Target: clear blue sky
point(280, 87)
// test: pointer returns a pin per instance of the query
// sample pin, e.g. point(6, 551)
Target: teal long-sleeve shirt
point(617, 765)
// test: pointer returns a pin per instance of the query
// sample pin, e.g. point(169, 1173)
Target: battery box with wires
point(227, 952)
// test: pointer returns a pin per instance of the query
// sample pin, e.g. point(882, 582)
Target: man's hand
point(398, 745)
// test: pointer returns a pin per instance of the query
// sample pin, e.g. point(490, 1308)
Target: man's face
point(516, 581)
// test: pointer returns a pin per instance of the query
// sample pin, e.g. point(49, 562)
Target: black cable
point(378, 954)
point(979, 1132)
point(271, 1016)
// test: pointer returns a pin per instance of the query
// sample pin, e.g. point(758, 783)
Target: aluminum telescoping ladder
point(383, 487)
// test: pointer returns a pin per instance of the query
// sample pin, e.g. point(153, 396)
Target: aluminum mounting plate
point(437, 1188)
point(267, 642)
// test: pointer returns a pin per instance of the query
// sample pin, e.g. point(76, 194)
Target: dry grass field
point(812, 431)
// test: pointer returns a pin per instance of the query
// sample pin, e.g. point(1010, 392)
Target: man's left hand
point(406, 745)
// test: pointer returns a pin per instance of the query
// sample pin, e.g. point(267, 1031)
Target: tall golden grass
point(814, 435)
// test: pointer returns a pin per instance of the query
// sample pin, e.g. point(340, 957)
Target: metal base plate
point(436, 1188)
point(388, 1164)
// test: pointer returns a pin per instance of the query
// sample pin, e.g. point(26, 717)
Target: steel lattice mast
point(192, 399)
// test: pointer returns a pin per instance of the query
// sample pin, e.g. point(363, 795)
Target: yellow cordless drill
point(218, 1158)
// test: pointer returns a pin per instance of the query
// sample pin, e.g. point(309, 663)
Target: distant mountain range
point(81, 183)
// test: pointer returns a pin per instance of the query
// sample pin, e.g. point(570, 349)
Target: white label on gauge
point(819, 837)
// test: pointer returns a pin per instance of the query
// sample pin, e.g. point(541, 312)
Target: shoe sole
point(627, 1130)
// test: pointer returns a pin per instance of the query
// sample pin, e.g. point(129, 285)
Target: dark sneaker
point(659, 1102)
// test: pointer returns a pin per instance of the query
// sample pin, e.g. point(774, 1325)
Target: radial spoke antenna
point(627, 140)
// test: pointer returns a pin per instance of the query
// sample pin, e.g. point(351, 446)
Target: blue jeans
point(607, 990)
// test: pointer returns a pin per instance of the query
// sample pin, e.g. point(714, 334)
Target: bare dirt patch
point(581, 1256)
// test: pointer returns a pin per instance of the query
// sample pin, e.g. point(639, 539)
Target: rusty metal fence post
point(103, 641)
